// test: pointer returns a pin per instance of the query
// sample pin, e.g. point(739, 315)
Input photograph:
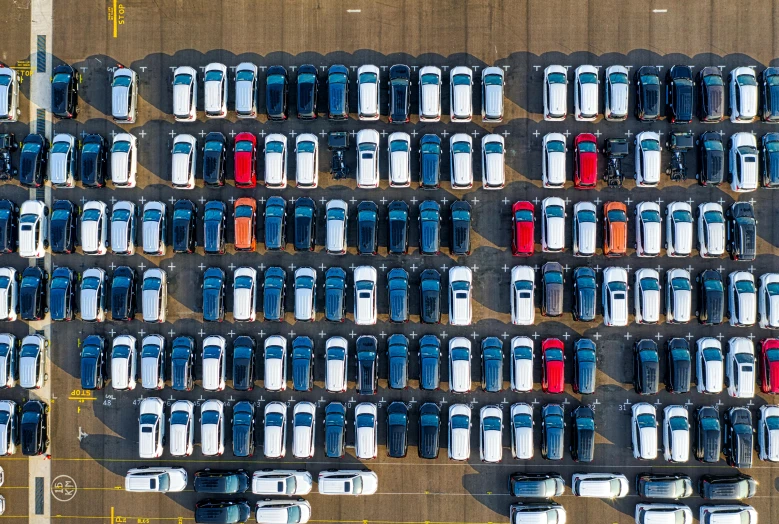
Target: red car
point(245, 160)
point(769, 364)
point(523, 218)
point(553, 365)
point(585, 171)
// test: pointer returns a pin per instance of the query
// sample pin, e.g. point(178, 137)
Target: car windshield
point(461, 80)
point(745, 286)
point(182, 214)
point(679, 424)
point(586, 216)
point(682, 284)
point(713, 217)
point(213, 76)
point(243, 282)
point(645, 421)
point(121, 283)
point(152, 215)
point(461, 215)
point(712, 355)
point(431, 148)
point(618, 78)
point(712, 285)
point(119, 215)
point(57, 283)
point(650, 284)
point(772, 288)
point(365, 420)
point(61, 78)
point(460, 422)
point(556, 78)
point(29, 350)
point(31, 147)
point(460, 354)
point(243, 212)
point(588, 78)
point(586, 283)
point(152, 283)
point(772, 423)
point(650, 145)
point(491, 424)
point(90, 283)
point(304, 282)
point(713, 145)
point(523, 421)
point(150, 350)
point(306, 78)
point(588, 147)
point(682, 216)
point(746, 80)
point(30, 281)
point(492, 80)
point(5, 80)
point(182, 80)
point(585, 423)
point(523, 215)
point(523, 285)
point(398, 145)
point(553, 355)
point(772, 147)
point(429, 214)
point(651, 80)
point(493, 147)
point(60, 147)
point(182, 147)
point(121, 81)
point(650, 216)
point(306, 147)
point(212, 283)
point(553, 277)
point(303, 419)
point(209, 417)
point(461, 147)
point(336, 214)
point(712, 80)
point(709, 424)
point(461, 286)
point(337, 78)
point(213, 145)
point(274, 147)
point(121, 147)
point(617, 215)
point(555, 212)
point(243, 146)
point(555, 146)
point(617, 286)
point(213, 214)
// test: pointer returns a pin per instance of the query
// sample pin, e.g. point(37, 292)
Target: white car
point(156, 479)
point(678, 296)
point(553, 225)
point(522, 431)
point(616, 93)
point(272, 511)
point(276, 161)
point(63, 160)
point(460, 292)
point(185, 94)
point(366, 431)
point(153, 228)
point(92, 295)
point(523, 309)
point(336, 364)
point(728, 514)
point(644, 431)
point(555, 93)
point(212, 428)
point(182, 428)
point(214, 358)
point(521, 364)
point(183, 162)
point(648, 512)
point(245, 294)
point(768, 304)
point(336, 219)
point(461, 161)
point(648, 229)
point(492, 82)
point(459, 365)
point(305, 294)
point(768, 433)
point(9, 294)
point(275, 357)
point(303, 430)
point(154, 295)
point(246, 90)
point(399, 152)
point(740, 368)
point(151, 428)
point(8, 348)
point(743, 162)
point(124, 361)
point(678, 229)
point(365, 278)
point(709, 365)
point(459, 432)
point(676, 434)
point(493, 162)
point(742, 298)
point(124, 160)
point(647, 159)
point(94, 228)
point(353, 482)
point(8, 429)
point(215, 88)
point(429, 94)
point(307, 160)
point(711, 230)
point(34, 229)
point(615, 296)
point(460, 94)
point(585, 95)
point(368, 92)
point(9, 94)
point(743, 95)
point(647, 296)
point(32, 361)
point(491, 434)
point(599, 485)
point(275, 443)
point(281, 482)
point(553, 170)
point(123, 220)
point(368, 158)
point(585, 229)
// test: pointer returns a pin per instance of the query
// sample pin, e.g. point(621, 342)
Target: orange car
point(615, 229)
point(245, 216)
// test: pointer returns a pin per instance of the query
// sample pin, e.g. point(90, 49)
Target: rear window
point(556, 78)
point(617, 215)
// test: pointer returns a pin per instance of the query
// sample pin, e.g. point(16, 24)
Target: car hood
point(461, 376)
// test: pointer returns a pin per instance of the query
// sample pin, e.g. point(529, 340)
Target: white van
point(459, 432)
point(368, 92)
point(647, 159)
point(281, 482)
point(215, 87)
point(307, 160)
point(246, 90)
point(658, 513)
point(348, 482)
point(599, 485)
point(282, 511)
point(124, 160)
point(124, 95)
point(185, 94)
point(9, 427)
point(461, 161)
point(155, 479)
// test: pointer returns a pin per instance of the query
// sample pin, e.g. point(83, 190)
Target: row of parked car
point(26, 426)
point(682, 88)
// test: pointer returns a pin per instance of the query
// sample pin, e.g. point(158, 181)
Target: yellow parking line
point(179, 519)
point(116, 27)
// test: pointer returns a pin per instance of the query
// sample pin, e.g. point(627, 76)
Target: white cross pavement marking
point(536, 133)
point(172, 134)
point(444, 133)
point(505, 201)
point(201, 332)
point(171, 266)
point(658, 336)
point(383, 200)
point(323, 133)
point(261, 333)
point(444, 335)
point(474, 335)
point(202, 133)
point(443, 268)
point(628, 133)
point(444, 200)
point(231, 333)
point(383, 267)
point(596, 335)
point(322, 267)
point(720, 337)
point(627, 335)
point(142, 133)
point(535, 335)
point(202, 266)
point(261, 267)
point(505, 335)
point(322, 334)
point(505, 268)
point(413, 335)
point(232, 133)
point(231, 266)
point(414, 267)
point(352, 334)
point(566, 335)
point(202, 199)
point(475, 200)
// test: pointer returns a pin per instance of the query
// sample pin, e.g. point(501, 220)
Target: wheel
point(45, 244)
point(45, 343)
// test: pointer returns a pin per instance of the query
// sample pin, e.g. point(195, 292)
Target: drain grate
point(41, 55)
point(39, 495)
point(40, 121)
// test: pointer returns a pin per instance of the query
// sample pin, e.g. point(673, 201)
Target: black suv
point(213, 295)
point(711, 107)
point(647, 82)
point(308, 89)
point(679, 366)
point(276, 90)
point(367, 228)
point(123, 294)
point(35, 428)
point(400, 94)
point(214, 227)
point(679, 102)
point(673, 486)
point(32, 294)
point(8, 145)
point(63, 226)
point(737, 442)
point(9, 222)
point(711, 159)
point(184, 226)
point(367, 365)
point(93, 161)
point(64, 91)
point(741, 231)
point(770, 77)
point(708, 436)
point(62, 294)
point(397, 430)
point(646, 367)
point(460, 215)
point(222, 511)
point(397, 225)
point(584, 294)
point(214, 157)
point(430, 296)
point(32, 166)
point(711, 302)
point(770, 150)
point(583, 434)
point(305, 224)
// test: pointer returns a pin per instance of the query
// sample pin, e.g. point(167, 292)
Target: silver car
point(124, 95)
point(246, 90)
point(492, 82)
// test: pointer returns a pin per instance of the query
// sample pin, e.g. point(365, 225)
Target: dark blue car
point(338, 92)
point(123, 294)
point(308, 88)
point(213, 295)
point(552, 432)
point(275, 223)
point(397, 430)
point(430, 162)
point(93, 362)
point(243, 429)
point(63, 226)
point(214, 227)
point(305, 224)
point(400, 94)
point(182, 363)
point(302, 364)
point(367, 228)
point(397, 287)
point(335, 294)
point(430, 296)
point(429, 362)
point(397, 224)
point(584, 295)
point(430, 227)
point(92, 168)
point(397, 359)
point(584, 366)
point(335, 430)
point(429, 430)
point(9, 226)
point(273, 295)
point(276, 91)
point(62, 294)
point(367, 365)
point(460, 214)
point(770, 159)
point(492, 364)
point(243, 363)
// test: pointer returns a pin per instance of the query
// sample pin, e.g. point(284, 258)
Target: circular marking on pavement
point(63, 488)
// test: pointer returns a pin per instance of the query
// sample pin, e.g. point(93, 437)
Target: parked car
point(727, 487)
point(521, 364)
point(743, 95)
point(63, 160)
point(770, 160)
point(276, 161)
point(245, 160)
point(584, 294)
point(365, 279)
point(647, 82)
point(646, 367)
point(336, 364)
point(492, 85)
point(769, 365)
point(366, 431)
point(644, 431)
point(275, 216)
point(429, 227)
point(397, 361)
point(741, 232)
point(215, 90)
point(34, 230)
point(367, 365)
point(737, 437)
point(124, 362)
point(64, 91)
point(553, 170)
point(246, 90)
point(123, 301)
point(244, 219)
point(678, 365)
point(429, 430)
point(368, 92)
point(491, 434)
point(154, 228)
point(214, 225)
point(552, 281)
point(768, 433)
point(523, 222)
point(182, 428)
point(711, 230)
point(585, 223)
point(9, 224)
point(585, 95)
point(367, 158)
point(182, 364)
point(335, 430)
point(709, 365)
point(615, 296)
point(93, 362)
point(584, 366)
point(397, 430)
point(740, 368)
point(33, 293)
point(711, 302)
point(336, 218)
point(647, 296)
point(92, 300)
point(124, 160)
point(679, 99)
point(553, 225)
point(492, 364)
point(583, 434)
point(429, 161)
point(151, 428)
point(214, 363)
point(552, 512)
point(153, 362)
point(678, 229)
point(521, 431)
point(585, 170)
point(335, 294)
point(399, 94)
point(33, 160)
point(154, 293)
point(460, 93)
point(213, 295)
point(552, 432)
point(616, 94)
point(555, 93)
point(648, 229)
point(245, 294)
point(212, 432)
point(9, 290)
point(34, 428)
point(307, 92)
point(124, 217)
point(275, 434)
point(281, 482)
point(367, 228)
point(459, 437)
point(398, 295)
point(9, 80)
point(223, 511)
point(9, 427)
point(243, 428)
point(742, 298)
point(429, 362)
point(345, 482)
point(552, 365)
point(276, 93)
point(743, 160)
point(460, 290)
point(305, 294)
point(676, 434)
point(615, 229)
point(493, 161)
point(305, 217)
point(522, 295)
point(338, 93)
point(532, 485)
point(461, 161)
point(397, 227)
point(711, 95)
point(243, 363)
point(647, 158)
point(62, 294)
point(184, 237)
point(711, 159)
point(459, 365)
point(275, 357)
point(708, 435)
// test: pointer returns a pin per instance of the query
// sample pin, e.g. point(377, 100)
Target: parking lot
point(95, 433)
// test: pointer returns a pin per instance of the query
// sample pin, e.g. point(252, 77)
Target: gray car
point(552, 281)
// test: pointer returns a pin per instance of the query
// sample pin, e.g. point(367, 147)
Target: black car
point(367, 228)
point(182, 364)
point(584, 366)
point(93, 362)
point(9, 223)
point(737, 440)
point(708, 435)
point(430, 296)
point(536, 485)
point(552, 431)
point(213, 511)
point(397, 361)
point(647, 82)
point(770, 159)
point(221, 482)
point(302, 364)
point(397, 430)
point(276, 90)
point(64, 91)
point(35, 428)
point(63, 226)
point(335, 430)
point(770, 77)
point(213, 295)
point(308, 89)
point(92, 160)
point(62, 294)
point(214, 227)
point(711, 159)
point(429, 362)
point(184, 226)
point(305, 224)
point(741, 231)
point(243, 363)
point(274, 290)
point(397, 290)
point(429, 227)
point(584, 294)
point(32, 294)
point(8, 145)
point(646, 367)
point(338, 92)
point(123, 294)
point(711, 302)
point(32, 165)
point(214, 158)
point(400, 94)
point(678, 366)
point(583, 434)
point(367, 365)
point(275, 223)
point(429, 430)
point(727, 487)
point(460, 215)
point(552, 281)
point(243, 429)
point(673, 486)
point(679, 102)
point(397, 225)
point(430, 162)
point(711, 95)
point(492, 365)
point(335, 295)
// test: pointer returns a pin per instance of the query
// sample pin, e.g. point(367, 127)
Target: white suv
point(185, 94)
point(9, 291)
point(429, 94)
point(742, 298)
point(275, 443)
point(368, 158)
point(461, 161)
point(123, 220)
point(585, 95)
point(743, 162)
point(493, 162)
point(648, 229)
point(768, 433)
point(459, 365)
point(644, 432)
point(155, 479)
point(711, 230)
point(647, 296)
point(709, 365)
point(399, 153)
point(215, 87)
point(303, 430)
point(553, 225)
point(151, 428)
point(553, 164)
point(743, 95)
point(615, 296)
point(276, 161)
point(740, 368)
point(368, 92)
point(34, 229)
point(336, 364)
point(183, 162)
point(676, 434)
point(348, 482)
point(365, 295)
point(460, 94)
point(214, 357)
point(124, 160)
point(523, 309)
point(678, 229)
point(366, 430)
point(459, 432)
point(491, 434)
point(521, 364)
point(124, 362)
point(555, 93)
point(245, 294)
point(769, 301)
point(647, 159)
point(460, 292)
point(63, 160)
